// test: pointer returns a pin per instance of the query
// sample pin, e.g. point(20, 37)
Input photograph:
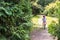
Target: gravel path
point(41, 35)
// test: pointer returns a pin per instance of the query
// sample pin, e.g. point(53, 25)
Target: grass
point(35, 21)
point(49, 20)
point(36, 24)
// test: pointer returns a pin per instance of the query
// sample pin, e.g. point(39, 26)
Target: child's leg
point(44, 26)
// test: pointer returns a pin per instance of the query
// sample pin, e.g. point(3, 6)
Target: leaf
point(8, 12)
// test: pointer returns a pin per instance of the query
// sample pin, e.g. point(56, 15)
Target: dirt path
point(38, 34)
point(41, 35)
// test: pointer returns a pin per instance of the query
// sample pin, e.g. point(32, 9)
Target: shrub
point(15, 20)
point(55, 29)
point(52, 28)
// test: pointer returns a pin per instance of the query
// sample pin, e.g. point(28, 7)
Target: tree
point(36, 9)
point(45, 2)
point(50, 9)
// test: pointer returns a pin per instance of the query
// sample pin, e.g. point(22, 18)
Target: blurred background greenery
point(17, 17)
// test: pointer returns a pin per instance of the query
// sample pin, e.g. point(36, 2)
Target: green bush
point(54, 29)
point(36, 10)
point(15, 20)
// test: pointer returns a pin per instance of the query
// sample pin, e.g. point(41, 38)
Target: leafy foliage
point(52, 28)
point(36, 8)
point(50, 9)
point(55, 29)
point(45, 2)
point(15, 20)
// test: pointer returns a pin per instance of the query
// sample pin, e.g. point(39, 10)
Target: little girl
point(44, 21)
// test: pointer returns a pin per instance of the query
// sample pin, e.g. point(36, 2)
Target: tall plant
point(54, 28)
point(15, 20)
